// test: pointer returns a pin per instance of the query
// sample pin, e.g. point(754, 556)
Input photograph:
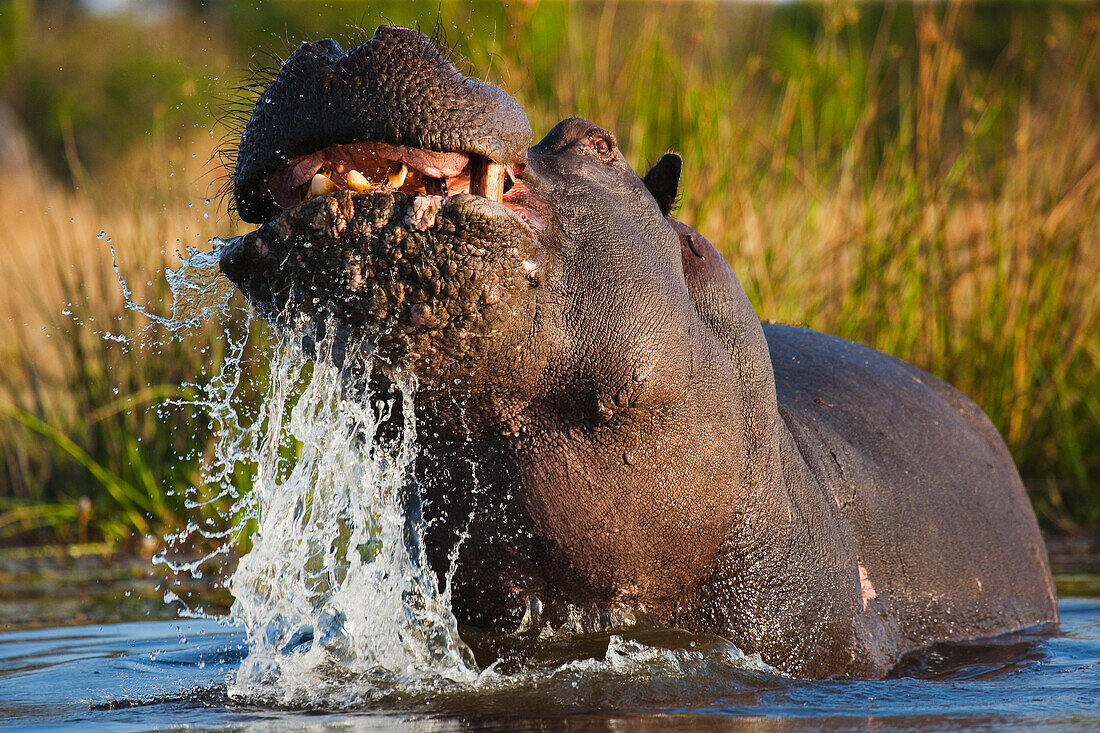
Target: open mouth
point(368, 166)
point(383, 168)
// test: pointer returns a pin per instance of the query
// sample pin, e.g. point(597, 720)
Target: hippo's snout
point(391, 112)
point(387, 186)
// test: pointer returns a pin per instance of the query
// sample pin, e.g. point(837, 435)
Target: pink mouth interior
point(374, 161)
point(427, 172)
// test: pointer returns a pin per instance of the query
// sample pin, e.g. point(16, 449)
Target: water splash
point(334, 580)
point(333, 587)
point(199, 292)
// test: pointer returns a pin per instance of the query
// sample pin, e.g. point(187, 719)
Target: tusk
point(494, 182)
point(487, 180)
point(320, 185)
point(397, 177)
point(358, 182)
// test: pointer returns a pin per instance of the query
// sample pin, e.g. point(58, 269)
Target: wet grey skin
point(600, 410)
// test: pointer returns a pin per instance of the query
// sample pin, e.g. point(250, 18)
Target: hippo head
point(398, 200)
point(537, 296)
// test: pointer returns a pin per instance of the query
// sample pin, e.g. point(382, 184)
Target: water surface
point(156, 674)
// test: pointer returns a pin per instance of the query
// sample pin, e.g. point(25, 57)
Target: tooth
point(487, 179)
point(320, 185)
point(358, 182)
point(494, 181)
point(397, 177)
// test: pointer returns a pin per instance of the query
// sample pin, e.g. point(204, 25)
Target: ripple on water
point(155, 674)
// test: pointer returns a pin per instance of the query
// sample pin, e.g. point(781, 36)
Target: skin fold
point(603, 417)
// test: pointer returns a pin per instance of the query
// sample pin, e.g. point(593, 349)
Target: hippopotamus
point(608, 433)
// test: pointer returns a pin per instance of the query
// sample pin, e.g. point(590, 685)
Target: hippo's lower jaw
point(416, 273)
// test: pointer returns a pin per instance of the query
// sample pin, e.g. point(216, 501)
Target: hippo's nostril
point(315, 53)
point(324, 47)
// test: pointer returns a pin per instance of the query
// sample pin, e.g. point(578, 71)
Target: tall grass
point(924, 179)
point(90, 447)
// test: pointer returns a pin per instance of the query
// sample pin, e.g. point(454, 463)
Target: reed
point(924, 179)
point(90, 444)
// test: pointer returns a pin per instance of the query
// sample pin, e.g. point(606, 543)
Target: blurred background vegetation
point(921, 178)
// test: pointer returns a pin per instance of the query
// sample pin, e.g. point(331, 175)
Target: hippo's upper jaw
point(386, 186)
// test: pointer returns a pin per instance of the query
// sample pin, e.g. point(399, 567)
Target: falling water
point(334, 580)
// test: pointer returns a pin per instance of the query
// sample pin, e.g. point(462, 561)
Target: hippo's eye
point(604, 148)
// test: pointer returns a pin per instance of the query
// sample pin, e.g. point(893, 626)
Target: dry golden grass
point(78, 408)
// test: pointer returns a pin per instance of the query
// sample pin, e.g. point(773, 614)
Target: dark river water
point(161, 673)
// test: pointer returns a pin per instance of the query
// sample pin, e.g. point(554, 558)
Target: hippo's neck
point(789, 559)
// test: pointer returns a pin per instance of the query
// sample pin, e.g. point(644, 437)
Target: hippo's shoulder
point(807, 359)
point(880, 414)
point(815, 370)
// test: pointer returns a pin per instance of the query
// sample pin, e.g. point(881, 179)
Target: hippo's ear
point(663, 181)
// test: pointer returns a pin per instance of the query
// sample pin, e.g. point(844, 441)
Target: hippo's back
point(946, 535)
